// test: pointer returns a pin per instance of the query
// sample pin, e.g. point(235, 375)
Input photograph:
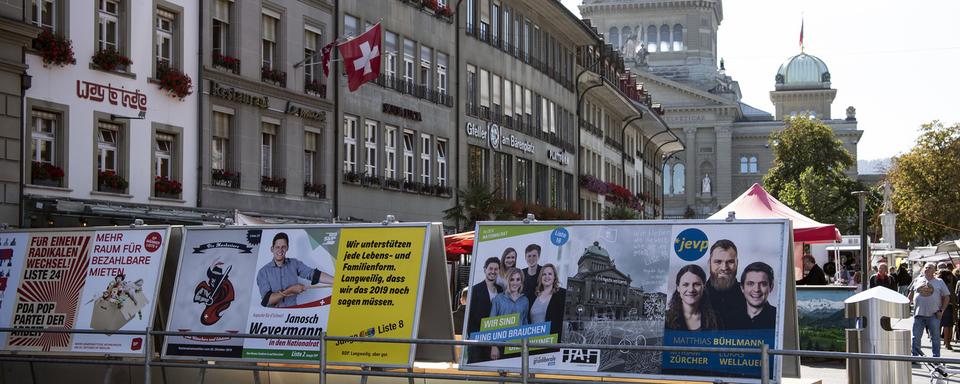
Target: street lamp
point(579, 312)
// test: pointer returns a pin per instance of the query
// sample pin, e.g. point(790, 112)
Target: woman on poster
point(510, 301)
point(689, 310)
point(549, 300)
point(508, 260)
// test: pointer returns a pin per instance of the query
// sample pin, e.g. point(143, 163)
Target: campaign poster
point(697, 284)
point(92, 280)
point(297, 281)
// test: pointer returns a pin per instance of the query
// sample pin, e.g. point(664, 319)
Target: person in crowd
point(904, 278)
point(830, 271)
point(814, 275)
point(930, 297)
point(756, 281)
point(548, 301)
point(509, 302)
point(460, 311)
point(948, 320)
point(279, 279)
point(481, 302)
point(883, 278)
point(723, 289)
point(508, 260)
point(531, 274)
point(690, 307)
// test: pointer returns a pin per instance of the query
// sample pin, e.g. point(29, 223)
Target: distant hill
point(875, 166)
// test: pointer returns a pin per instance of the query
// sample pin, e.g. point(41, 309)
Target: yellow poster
point(375, 293)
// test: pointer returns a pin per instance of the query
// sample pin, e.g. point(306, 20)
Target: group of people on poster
point(534, 293)
point(722, 301)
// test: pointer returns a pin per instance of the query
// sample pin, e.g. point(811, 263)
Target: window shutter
point(310, 141)
point(269, 128)
point(44, 115)
point(221, 11)
point(165, 14)
point(269, 28)
point(221, 125)
point(165, 137)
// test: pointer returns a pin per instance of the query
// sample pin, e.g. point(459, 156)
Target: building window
point(679, 179)
point(506, 29)
point(47, 166)
point(310, 143)
point(221, 141)
point(484, 19)
point(221, 28)
point(442, 73)
point(44, 14)
point(390, 152)
point(677, 37)
point(664, 38)
point(667, 178)
point(484, 89)
point(523, 179)
point(471, 88)
point(351, 26)
point(408, 156)
point(312, 73)
point(541, 193)
point(476, 164)
point(370, 147)
point(163, 153)
point(502, 175)
point(441, 162)
point(409, 50)
point(556, 180)
point(652, 38)
point(349, 144)
point(390, 53)
point(166, 21)
point(108, 146)
point(425, 158)
point(108, 25)
point(753, 164)
point(269, 36)
point(268, 148)
point(426, 70)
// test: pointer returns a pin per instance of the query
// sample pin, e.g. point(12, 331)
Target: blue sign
point(691, 244)
point(559, 236)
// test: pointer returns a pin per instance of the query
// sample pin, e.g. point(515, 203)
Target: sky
point(895, 62)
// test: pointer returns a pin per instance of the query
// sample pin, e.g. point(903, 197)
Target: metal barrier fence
point(523, 375)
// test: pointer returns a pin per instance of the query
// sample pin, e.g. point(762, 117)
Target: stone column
point(724, 177)
point(692, 186)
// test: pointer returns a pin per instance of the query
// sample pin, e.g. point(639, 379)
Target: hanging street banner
point(656, 283)
point(299, 281)
point(92, 279)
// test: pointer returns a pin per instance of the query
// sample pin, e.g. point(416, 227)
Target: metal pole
point(524, 362)
point(764, 368)
point(864, 246)
point(147, 355)
point(323, 357)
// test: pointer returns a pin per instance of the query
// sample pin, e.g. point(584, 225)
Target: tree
point(808, 173)
point(925, 184)
point(476, 203)
point(620, 212)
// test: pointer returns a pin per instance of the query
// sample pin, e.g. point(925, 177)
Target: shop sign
point(409, 114)
point(99, 93)
point(559, 156)
point(497, 137)
point(231, 94)
point(306, 113)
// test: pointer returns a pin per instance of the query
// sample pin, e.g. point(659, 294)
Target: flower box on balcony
point(411, 186)
point(46, 174)
point(273, 184)
point(275, 76)
point(111, 60)
point(229, 63)
point(54, 49)
point(176, 83)
point(166, 188)
point(224, 178)
point(394, 184)
point(315, 87)
point(352, 177)
point(372, 181)
point(316, 191)
point(110, 181)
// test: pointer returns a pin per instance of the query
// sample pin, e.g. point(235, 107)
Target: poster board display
point(85, 279)
point(822, 319)
point(350, 280)
point(654, 283)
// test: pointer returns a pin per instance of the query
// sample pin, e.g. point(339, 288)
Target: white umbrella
point(948, 246)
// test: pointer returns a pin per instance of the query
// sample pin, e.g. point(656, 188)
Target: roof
point(751, 113)
point(756, 203)
point(803, 71)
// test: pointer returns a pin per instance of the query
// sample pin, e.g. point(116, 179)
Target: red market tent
point(458, 244)
point(756, 203)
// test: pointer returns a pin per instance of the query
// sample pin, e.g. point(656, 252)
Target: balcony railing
point(226, 62)
point(226, 179)
point(554, 73)
point(315, 191)
point(410, 88)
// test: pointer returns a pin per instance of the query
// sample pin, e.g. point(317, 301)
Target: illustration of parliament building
point(599, 291)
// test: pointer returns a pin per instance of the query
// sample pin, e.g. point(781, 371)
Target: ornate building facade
point(672, 48)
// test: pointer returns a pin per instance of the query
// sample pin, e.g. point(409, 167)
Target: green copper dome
point(803, 71)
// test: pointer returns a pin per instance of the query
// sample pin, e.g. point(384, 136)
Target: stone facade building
point(671, 47)
point(18, 26)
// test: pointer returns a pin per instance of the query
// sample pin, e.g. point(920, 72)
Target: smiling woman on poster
point(507, 261)
point(509, 302)
point(279, 279)
point(690, 309)
point(549, 299)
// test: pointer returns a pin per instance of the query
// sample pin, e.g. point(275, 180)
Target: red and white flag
point(361, 57)
point(325, 57)
point(801, 34)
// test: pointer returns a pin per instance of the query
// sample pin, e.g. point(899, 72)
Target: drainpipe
point(457, 109)
point(336, 118)
point(200, 141)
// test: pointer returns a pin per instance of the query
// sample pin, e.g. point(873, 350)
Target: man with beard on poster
point(481, 302)
point(723, 289)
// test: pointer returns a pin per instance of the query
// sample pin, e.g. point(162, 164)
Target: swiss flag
point(361, 57)
point(325, 57)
